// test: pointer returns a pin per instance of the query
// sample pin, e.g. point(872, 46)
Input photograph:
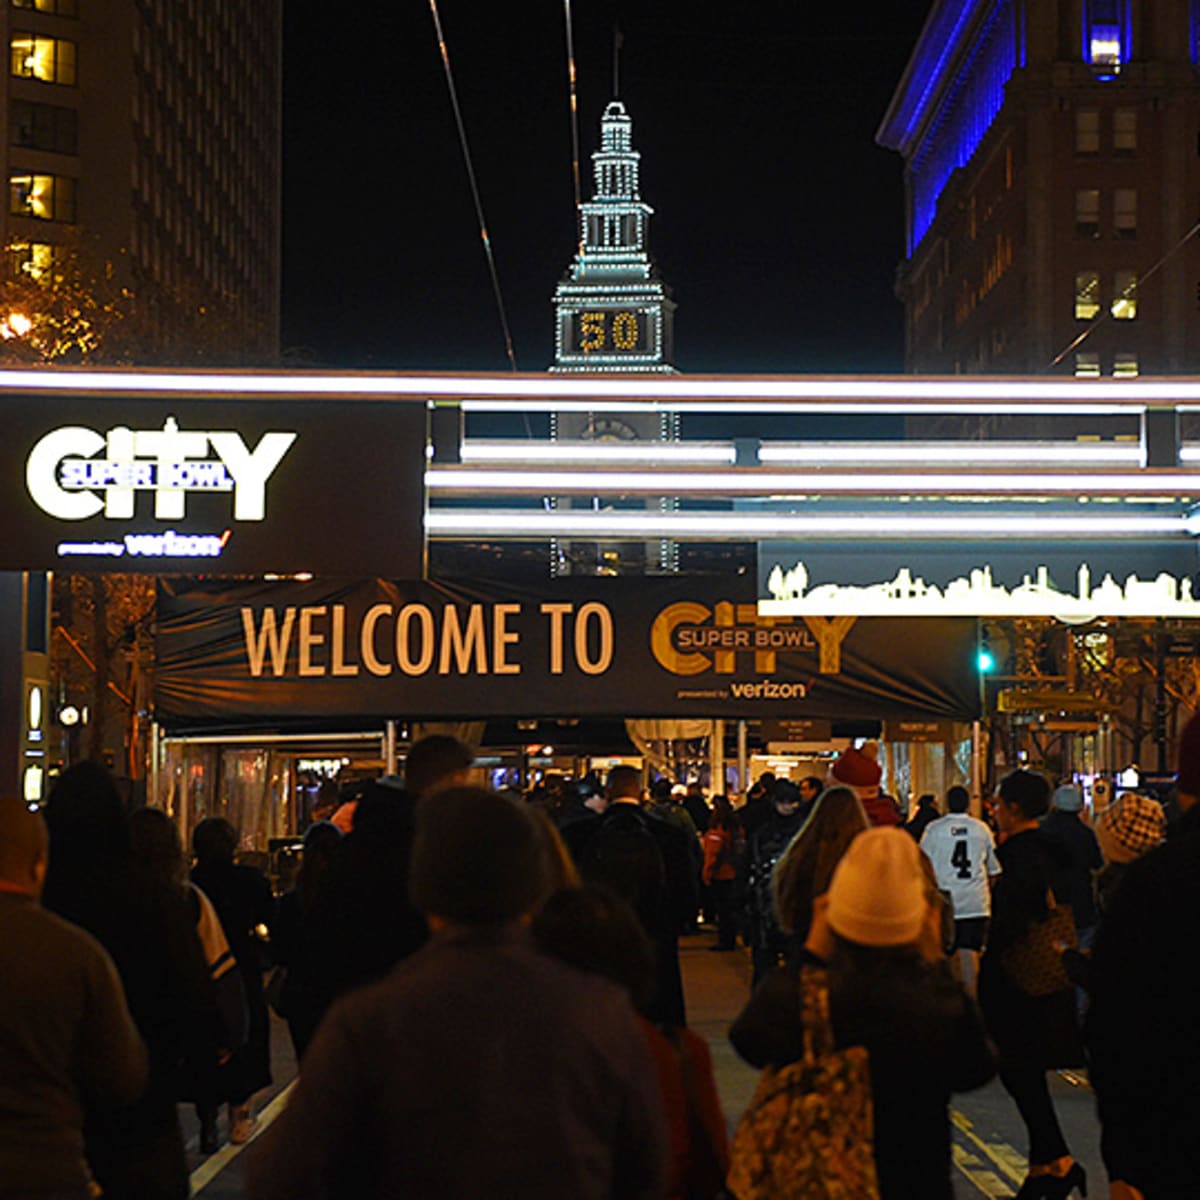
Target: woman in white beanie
point(878, 932)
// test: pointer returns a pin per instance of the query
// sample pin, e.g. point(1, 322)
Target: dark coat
point(924, 1038)
point(1143, 1025)
point(148, 931)
point(369, 923)
point(674, 908)
point(763, 850)
point(1082, 853)
point(242, 897)
point(1038, 1031)
point(479, 1067)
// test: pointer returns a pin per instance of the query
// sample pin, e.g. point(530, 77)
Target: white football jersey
point(963, 854)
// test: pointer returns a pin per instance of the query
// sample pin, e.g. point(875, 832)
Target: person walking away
point(697, 806)
point(479, 1066)
point(877, 934)
point(368, 923)
point(66, 1036)
point(158, 860)
point(1082, 853)
point(757, 810)
point(1032, 1033)
point(294, 946)
point(1143, 1032)
point(648, 862)
point(136, 1152)
point(242, 897)
point(593, 929)
point(720, 843)
point(768, 942)
point(860, 770)
point(806, 867)
point(926, 813)
point(962, 852)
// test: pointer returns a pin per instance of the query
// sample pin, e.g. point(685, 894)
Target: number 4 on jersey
point(961, 860)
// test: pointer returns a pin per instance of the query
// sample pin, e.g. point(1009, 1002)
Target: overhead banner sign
point(161, 483)
point(1074, 583)
point(591, 647)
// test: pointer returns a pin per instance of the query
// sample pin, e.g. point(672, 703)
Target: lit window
point(43, 197)
point(1087, 213)
point(1125, 125)
point(1125, 287)
point(62, 8)
point(1087, 366)
point(30, 258)
point(1087, 131)
point(1106, 35)
point(1125, 213)
point(1087, 295)
point(1125, 365)
point(52, 60)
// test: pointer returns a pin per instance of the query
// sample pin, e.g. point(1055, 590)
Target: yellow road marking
point(212, 1166)
point(977, 1174)
point(1009, 1162)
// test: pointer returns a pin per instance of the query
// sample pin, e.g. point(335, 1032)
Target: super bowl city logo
point(66, 479)
point(690, 639)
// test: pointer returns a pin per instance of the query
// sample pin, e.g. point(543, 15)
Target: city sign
point(590, 647)
point(183, 484)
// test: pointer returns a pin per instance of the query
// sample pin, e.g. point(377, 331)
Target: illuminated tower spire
point(613, 312)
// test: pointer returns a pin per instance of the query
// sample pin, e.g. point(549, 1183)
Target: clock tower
point(613, 312)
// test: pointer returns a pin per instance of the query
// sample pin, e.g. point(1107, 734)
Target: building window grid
point(1125, 295)
point(1125, 365)
point(1087, 365)
point(1125, 131)
point(1087, 131)
point(41, 197)
point(46, 59)
point(1087, 295)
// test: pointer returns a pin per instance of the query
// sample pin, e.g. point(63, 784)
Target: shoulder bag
point(1034, 962)
point(809, 1131)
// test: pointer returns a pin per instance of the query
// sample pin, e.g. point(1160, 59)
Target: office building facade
point(147, 133)
point(1051, 173)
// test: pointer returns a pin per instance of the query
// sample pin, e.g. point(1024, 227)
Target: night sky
point(778, 221)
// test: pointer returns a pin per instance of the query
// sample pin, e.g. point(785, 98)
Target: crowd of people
point(484, 990)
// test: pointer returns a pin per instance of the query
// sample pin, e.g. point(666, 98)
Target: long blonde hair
point(805, 868)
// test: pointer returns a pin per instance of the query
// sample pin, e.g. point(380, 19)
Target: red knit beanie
point(857, 769)
point(1189, 758)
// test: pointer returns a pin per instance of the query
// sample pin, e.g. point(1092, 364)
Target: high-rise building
point(1051, 177)
point(149, 131)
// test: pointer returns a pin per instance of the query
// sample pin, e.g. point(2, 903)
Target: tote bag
point(808, 1133)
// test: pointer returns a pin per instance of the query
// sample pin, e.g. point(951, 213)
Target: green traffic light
point(984, 661)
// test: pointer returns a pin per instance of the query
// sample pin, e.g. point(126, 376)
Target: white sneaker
point(242, 1124)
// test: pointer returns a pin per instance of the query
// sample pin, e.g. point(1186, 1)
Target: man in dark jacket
point(66, 1036)
point(1081, 854)
point(647, 861)
point(768, 942)
point(1142, 1028)
point(479, 1067)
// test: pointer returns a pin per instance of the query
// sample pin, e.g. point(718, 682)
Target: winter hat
point(477, 858)
point(1189, 758)
point(877, 897)
point(1130, 827)
point(858, 769)
point(1067, 798)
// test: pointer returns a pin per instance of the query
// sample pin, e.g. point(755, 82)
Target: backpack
point(808, 1134)
point(624, 856)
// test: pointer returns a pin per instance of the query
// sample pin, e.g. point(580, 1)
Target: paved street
point(989, 1145)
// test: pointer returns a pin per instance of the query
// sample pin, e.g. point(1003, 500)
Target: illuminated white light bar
point(645, 452)
point(546, 392)
point(1189, 452)
point(463, 523)
point(957, 453)
point(751, 481)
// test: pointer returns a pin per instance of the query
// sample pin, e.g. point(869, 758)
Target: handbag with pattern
point(808, 1133)
point(1034, 962)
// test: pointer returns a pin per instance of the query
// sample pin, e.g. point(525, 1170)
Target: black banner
point(163, 483)
point(375, 649)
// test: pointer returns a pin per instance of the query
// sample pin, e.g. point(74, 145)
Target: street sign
point(1015, 700)
point(918, 731)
